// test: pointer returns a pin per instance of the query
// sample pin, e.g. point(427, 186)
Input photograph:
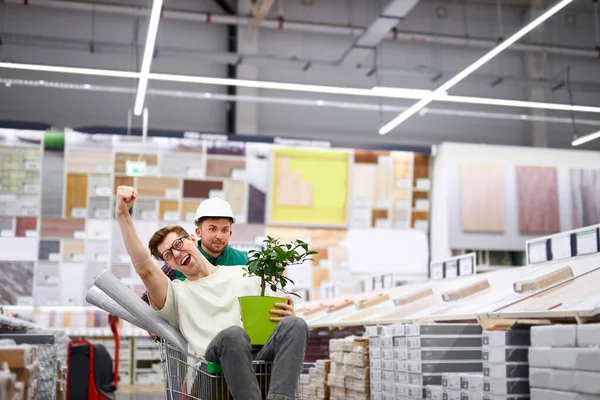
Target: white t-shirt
point(204, 307)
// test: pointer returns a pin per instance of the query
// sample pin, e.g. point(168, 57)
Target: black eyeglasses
point(177, 245)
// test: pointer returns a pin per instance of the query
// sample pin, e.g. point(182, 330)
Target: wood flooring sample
point(482, 197)
point(156, 187)
point(585, 195)
point(537, 194)
point(235, 194)
point(77, 185)
point(291, 189)
point(223, 167)
point(122, 158)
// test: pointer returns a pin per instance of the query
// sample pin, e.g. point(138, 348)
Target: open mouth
point(185, 260)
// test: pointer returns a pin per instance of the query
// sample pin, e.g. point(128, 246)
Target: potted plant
point(269, 265)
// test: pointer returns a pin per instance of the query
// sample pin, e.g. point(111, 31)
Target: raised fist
point(126, 196)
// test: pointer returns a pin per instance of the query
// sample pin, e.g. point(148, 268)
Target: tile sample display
point(76, 195)
point(18, 249)
point(72, 277)
point(89, 161)
point(227, 148)
point(363, 178)
point(402, 162)
point(158, 187)
point(47, 248)
point(26, 227)
point(326, 237)
point(188, 210)
point(168, 210)
point(101, 185)
point(73, 250)
point(235, 194)
point(178, 165)
point(7, 223)
point(537, 195)
point(47, 273)
point(16, 281)
point(92, 271)
point(223, 167)
point(257, 201)
point(53, 172)
point(377, 217)
point(46, 295)
point(122, 158)
point(145, 209)
point(19, 205)
point(383, 184)
point(482, 197)
point(585, 194)
point(61, 228)
point(122, 181)
point(97, 251)
point(200, 189)
point(97, 229)
point(291, 189)
point(99, 207)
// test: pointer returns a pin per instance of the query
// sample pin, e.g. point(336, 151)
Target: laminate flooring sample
point(257, 200)
point(122, 181)
point(217, 167)
point(89, 161)
point(44, 295)
point(99, 207)
point(537, 195)
point(145, 209)
point(73, 250)
point(402, 164)
point(168, 210)
point(291, 189)
point(157, 187)
point(101, 185)
point(227, 148)
point(61, 228)
point(47, 273)
point(363, 177)
point(585, 194)
point(188, 210)
point(235, 194)
point(368, 156)
point(122, 158)
point(16, 280)
point(482, 197)
point(181, 164)
point(383, 183)
point(200, 189)
point(6, 223)
point(48, 247)
point(376, 215)
point(76, 194)
point(326, 237)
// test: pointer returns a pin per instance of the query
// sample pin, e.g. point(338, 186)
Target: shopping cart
point(189, 377)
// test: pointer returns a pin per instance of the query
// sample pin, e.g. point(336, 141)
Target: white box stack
point(349, 376)
point(564, 362)
point(388, 362)
point(505, 364)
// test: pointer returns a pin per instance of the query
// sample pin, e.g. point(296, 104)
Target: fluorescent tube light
point(471, 68)
point(586, 138)
point(70, 70)
point(148, 54)
point(516, 103)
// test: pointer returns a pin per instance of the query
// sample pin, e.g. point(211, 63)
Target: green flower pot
point(256, 317)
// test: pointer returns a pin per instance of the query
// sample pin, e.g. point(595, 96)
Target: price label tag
point(423, 184)
point(451, 269)
point(195, 173)
point(190, 216)
point(32, 165)
point(216, 193)
point(31, 233)
point(54, 257)
point(561, 247)
point(102, 214)
point(103, 191)
point(104, 168)
point(78, 212)
point(537, 252)
point(466, 266)
point(78, 257)
point(148, 215)
point(172, 194)
point(422, 205)
point(31, 188)
point(403, 184)
point(171, 215)
point(7, 233)
point(238, 174)
point(79, 235)
point(402, 204)
point(383, 203)
point(102, 257)
point(587, 242)
point(437, 271)
point(385, 161)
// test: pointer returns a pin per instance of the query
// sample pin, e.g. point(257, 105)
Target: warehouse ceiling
point(351, 44)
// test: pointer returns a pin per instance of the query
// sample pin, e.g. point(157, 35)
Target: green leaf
point(274, 288)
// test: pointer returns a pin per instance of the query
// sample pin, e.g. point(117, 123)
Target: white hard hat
point(214, 208)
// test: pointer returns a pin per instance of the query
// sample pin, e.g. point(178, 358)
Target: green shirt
point(229, 257)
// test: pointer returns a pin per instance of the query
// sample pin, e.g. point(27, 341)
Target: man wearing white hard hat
point(214, 220)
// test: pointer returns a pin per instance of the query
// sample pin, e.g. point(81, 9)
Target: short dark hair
point(160, 235)
point(201, 220)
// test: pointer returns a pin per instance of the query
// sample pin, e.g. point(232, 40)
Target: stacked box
point(505, 364)
point(22, 361)
point(387, 362)
point(435, 350)
point(349, 376)
point(317, 388)
point(564, 362)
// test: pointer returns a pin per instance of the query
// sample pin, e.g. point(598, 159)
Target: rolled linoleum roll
point(98, 298)
point(126, 298)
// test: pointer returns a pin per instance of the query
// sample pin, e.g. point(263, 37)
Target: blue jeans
point(285, 348)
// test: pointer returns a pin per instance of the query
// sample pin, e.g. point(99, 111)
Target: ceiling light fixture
point(70, 70)
point(585, 139)
point(473, 67)
point(148, 55)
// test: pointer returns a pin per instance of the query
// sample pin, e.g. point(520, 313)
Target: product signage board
point(462, 265)
point(564, 245)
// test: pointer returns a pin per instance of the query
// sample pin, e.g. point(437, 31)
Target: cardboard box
point(440, 367)
point(398, 330)
point(506, 386)
point(443, 354)
point(451, 381)
point(387, 353)
point(374, 330)
point(506, 338)
point(376, 386)
point(443, 329)
point(387, 387)
point(388, 365)
point(446, 342)
point(554, 336)
point(487, 396)
point(583, 359)
point(425, 379)
point(401, 377)
point(400, 353)
point(400, 390)
point(375, 352)
point(376, 375)
point(399, 341)
point(416, 392)
point(471, 382)
point(545, 394)
point(506, 370)
point(565, 380)
point(388, 376)
point(375, 363)
point(18, 356)
point(588, 335)
point(451, 394)
point(434, 392)
point(505, 354)
point(387, 341)
point(375, 342)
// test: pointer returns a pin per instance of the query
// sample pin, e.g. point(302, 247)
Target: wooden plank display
point(537, 194)
point(585, 195)
point(76, 196)
point(482, 197)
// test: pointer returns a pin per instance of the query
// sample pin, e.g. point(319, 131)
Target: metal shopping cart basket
point(189, 377)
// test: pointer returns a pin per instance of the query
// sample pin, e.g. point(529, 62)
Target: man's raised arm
point(154, 279)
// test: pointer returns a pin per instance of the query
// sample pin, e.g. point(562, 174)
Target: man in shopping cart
point(205, 308)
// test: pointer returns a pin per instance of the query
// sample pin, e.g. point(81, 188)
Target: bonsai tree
point(270, 264)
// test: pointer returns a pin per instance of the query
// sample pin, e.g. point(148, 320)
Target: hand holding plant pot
point(269, 265)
